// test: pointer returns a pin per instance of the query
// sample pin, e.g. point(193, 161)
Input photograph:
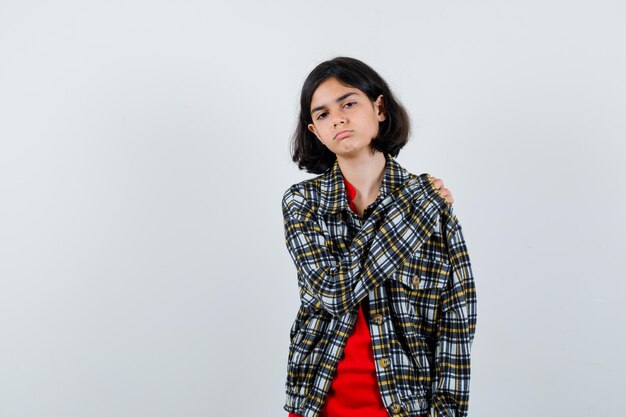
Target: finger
point(443, 191)
point(446, 194)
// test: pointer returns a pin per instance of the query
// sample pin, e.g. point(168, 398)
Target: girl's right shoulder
point(303, 195)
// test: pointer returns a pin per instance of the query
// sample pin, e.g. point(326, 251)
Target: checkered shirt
point(407, 260)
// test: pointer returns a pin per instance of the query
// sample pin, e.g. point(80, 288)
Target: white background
point(144, 151)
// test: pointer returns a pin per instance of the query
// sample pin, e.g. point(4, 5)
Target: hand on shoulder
point(441, 189)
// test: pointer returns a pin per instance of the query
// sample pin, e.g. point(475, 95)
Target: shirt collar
point(333, 197)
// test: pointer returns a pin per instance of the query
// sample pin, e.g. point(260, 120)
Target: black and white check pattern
point(407, 260)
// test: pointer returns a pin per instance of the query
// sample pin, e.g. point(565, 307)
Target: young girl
point(388, 303)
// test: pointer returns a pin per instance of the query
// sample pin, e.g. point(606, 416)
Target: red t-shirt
point(354, 390)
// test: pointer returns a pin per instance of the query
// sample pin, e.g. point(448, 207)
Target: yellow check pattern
point(406, 261)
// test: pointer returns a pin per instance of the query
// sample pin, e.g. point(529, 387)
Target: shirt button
point(377, 318)
point(384, 362)
point(395, 407)
point(416, 280)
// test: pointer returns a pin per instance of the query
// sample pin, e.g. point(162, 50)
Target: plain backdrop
point(144, 151)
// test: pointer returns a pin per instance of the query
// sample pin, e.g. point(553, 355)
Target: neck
point(365, 172)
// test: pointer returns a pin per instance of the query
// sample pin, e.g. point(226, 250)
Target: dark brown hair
point(393, 133)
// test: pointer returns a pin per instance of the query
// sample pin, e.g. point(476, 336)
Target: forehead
point(329, 90)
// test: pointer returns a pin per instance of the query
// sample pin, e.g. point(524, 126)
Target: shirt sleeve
point(338, 284)
point(456, 327)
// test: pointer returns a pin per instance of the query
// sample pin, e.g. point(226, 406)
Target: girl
point(388, 304)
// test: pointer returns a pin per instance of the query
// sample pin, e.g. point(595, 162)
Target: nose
point(338, 119)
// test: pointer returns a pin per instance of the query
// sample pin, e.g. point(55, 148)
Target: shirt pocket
point(422, 281)
point(424, 273)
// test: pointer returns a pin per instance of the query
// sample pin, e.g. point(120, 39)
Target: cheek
point(371, 123)
point(323, 130)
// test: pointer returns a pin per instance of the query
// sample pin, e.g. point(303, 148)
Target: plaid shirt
point(406, 259)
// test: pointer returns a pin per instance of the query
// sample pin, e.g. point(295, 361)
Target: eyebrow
point(323, 106)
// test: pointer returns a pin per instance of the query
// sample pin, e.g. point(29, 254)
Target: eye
point(319, 116)
point(351, 103)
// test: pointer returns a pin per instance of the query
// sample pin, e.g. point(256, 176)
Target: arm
point(339, 285)
point(456, 327)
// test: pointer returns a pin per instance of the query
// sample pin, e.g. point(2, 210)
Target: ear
point(312, 128)
point(382, 111)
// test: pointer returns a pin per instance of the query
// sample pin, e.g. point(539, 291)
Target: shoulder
point(423, 189)
point(303, 195)
point(421, 186)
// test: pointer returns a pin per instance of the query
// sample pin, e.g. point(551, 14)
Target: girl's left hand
point(441, 190)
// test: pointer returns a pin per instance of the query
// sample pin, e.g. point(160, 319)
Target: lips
point(342, 134)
